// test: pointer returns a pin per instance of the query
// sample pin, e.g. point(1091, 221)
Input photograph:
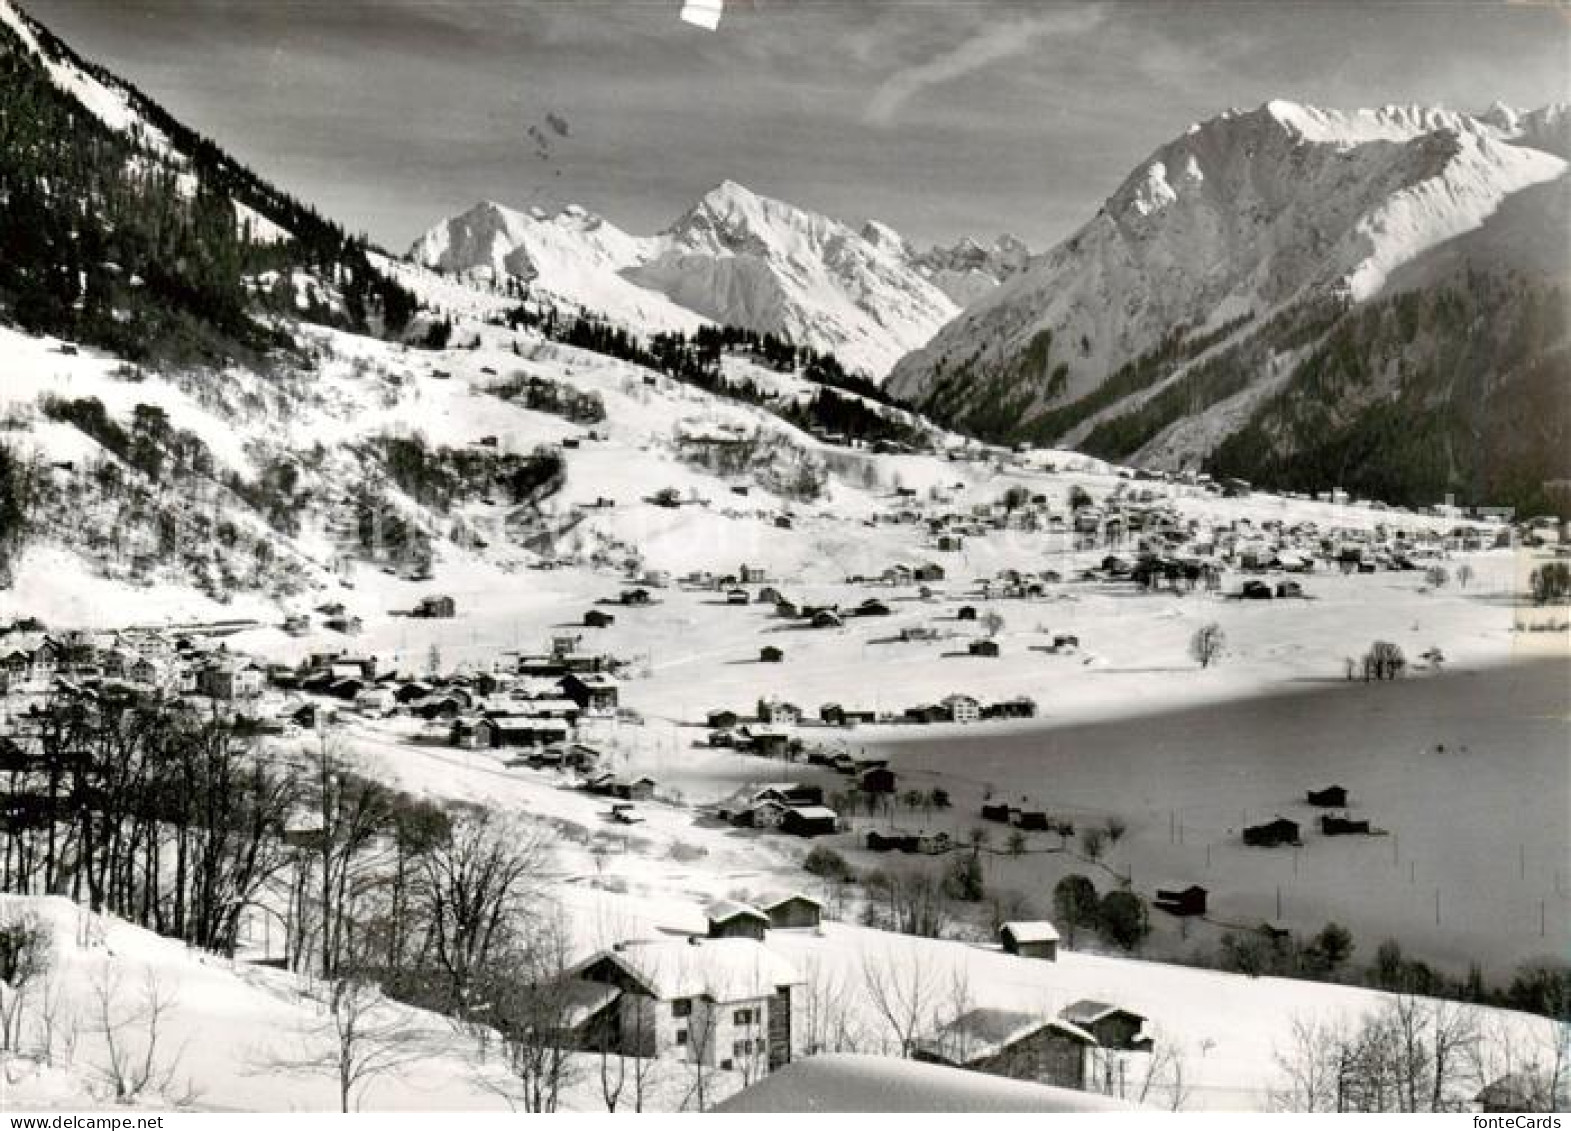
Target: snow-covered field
point(689, 652)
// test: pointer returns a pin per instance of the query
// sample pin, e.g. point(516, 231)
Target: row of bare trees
point(178, 822)
point(163, 817)
point(1420, 1054)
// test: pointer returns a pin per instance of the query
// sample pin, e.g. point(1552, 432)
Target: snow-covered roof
point(772, 899)
point(814, 812)
point(845, 1082)
point(724, 910)
point(1089, 1012)
point(723, 970)
point(1031, 931)
point(980, 1033)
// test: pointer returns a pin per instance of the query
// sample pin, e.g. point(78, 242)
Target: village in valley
point(770, 781)
point(767, 666)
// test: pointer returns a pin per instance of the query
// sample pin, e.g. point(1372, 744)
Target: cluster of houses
point(1282, 830)
point(1025, 817)
point(723, 998)
point(794, 808)
point(761, 734)
point(139, 663)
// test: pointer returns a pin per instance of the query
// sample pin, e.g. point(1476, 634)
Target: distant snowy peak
point(734, 257)
point(966, 271)
point(1243, 213)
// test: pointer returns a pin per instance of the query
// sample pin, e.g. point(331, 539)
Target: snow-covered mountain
point(967, 272)
point(1219, 236)
point(735, 257)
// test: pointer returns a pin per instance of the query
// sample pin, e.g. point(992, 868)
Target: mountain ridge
point(1230, 228)
point(737, 257)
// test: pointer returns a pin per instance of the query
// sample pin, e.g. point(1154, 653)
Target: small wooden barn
point(1331, 797)
point(1182, 901)
point(729, 919)
point(1030, 939)
point(791, 910)
point(1272, 833)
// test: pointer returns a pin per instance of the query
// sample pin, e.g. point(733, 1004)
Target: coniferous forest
point(144, 245)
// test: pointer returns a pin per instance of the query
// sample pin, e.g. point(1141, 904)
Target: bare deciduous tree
point(135, 1063)
point(1206, 645)
point(359, 1036)
point(905, 991)
point(477, 880)
point(24, 960)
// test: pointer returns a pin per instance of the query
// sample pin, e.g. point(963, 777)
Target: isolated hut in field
point(810, 820)
point(1331, 797)
point(1332, 825)
point(1182, 901)
point(1272, 833)
point(1030, 939)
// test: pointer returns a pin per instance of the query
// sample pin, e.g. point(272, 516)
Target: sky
point(943, 118)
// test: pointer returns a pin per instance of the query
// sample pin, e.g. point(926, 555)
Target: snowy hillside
point(734, 258)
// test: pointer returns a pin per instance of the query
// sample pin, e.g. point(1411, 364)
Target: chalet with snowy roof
point(598, 618)
point(765, 814)
point(790, 910)
point(437, 607)
point(769, 654)
point(723, 1002)
point(986, 647)
point(777, 712)
point(501, 731)
point(810, 820)
point(230, 678)
point(1011, 1043)
point(729, 919)
point(1112, 1026)
point(1036, 938)
point(721, 719)
point(961, 708)
point(596, 693)
point(376, 701)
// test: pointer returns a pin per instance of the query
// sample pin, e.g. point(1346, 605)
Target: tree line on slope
point(107, 239)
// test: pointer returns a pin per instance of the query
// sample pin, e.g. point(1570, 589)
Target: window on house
point(681, 1036)
point(682, 1007)
point(742, 1048)
point(743, 1017)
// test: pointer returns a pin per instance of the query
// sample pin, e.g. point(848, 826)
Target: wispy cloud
point(998, 39)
